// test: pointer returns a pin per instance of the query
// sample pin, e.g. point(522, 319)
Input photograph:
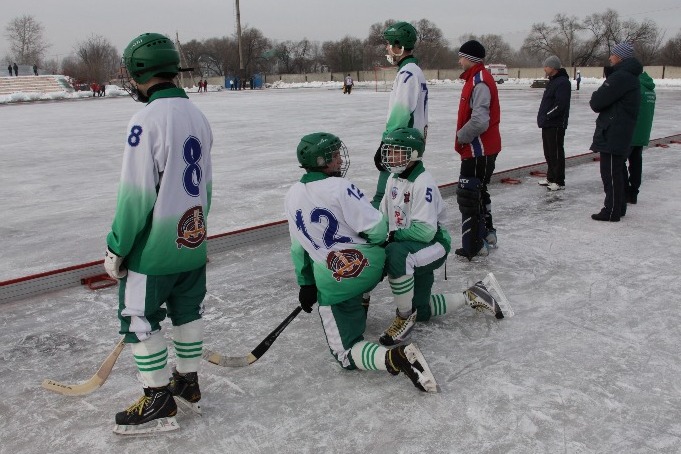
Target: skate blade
point(157, 425)
point(194, 407)
point(426, 378)
point(495, 289)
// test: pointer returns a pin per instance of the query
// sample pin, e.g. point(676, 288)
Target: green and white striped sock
point(188, 342)
point(439, 303)
point(151, 356)
point(403, 292)
point(368, 356)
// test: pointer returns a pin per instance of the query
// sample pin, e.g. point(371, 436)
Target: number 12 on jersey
point(325, 222)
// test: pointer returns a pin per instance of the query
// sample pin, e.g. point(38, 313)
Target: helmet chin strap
point(393, 58)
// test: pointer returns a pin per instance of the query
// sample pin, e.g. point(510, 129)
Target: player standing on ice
point(157, 245)
point(408, 105)
point(336, 238)
point(418, 242)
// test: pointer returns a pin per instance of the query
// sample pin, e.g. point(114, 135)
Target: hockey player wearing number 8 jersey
point(157, 243)
point(337, 253)
point(418, 243)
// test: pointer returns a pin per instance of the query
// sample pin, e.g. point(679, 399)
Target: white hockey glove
point(113, 265)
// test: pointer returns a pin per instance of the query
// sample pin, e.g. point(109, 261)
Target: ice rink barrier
point(72, 276)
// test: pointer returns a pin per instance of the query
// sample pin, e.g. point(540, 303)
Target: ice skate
point(153, 412)
point(486, 296)
point(185, 389)
point(399, 330)
point(410, 360)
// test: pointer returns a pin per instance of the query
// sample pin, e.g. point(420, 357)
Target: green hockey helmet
point(151, 54)
point(400, 147)
point(402, 34)
point(316, 151)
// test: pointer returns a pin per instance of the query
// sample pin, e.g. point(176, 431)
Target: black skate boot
point(185, 389)
point(153, 412)
point(410, 360)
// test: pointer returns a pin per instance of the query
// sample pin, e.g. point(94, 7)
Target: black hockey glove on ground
point(378, 161)
point(307, 297)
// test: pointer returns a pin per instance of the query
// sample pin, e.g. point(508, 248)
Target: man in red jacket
point(478, 142)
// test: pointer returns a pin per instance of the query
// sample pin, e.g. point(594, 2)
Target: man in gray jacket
point(552, 118)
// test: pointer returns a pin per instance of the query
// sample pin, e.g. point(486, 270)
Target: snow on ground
point(588, 364)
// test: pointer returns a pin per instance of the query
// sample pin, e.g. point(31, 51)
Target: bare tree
point(670, 54)
point(98, 60)
point(254, 47)
point(344, 55)
point(26, 40)
point(607, 29)
point(559, 39)
point(431, 46)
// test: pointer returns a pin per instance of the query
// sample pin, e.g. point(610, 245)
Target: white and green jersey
point(414, 206)
point(165, 187)
point(408, 105)
point(335, 237)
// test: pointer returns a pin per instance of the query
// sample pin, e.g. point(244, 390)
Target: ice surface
point(589, 363)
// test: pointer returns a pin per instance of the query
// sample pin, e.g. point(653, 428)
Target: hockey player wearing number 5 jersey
point(157, 243)
point(418, 242)
point(337, 253)
point(408, 105)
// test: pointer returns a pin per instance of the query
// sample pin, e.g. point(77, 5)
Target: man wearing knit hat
point(617, 102)
point(552, 118)
point(478, 141)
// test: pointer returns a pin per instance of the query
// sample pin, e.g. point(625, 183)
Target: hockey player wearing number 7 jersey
point(408, 104)
point(337, 253)
point(418, 243)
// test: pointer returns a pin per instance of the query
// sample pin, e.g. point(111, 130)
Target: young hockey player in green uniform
point(157, 243)
point(418, 242)
point(336, 247)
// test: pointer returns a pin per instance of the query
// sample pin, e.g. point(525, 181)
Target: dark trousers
point(554, 152)
point(632, 179)
point(612, 175)
point(481, 168)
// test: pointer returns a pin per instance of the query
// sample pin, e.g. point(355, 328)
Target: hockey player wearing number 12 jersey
point(418, 242)
point(157, 243)
point(337, 253)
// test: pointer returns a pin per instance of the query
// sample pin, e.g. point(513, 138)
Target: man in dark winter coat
point(552, 118)
point(617, 103)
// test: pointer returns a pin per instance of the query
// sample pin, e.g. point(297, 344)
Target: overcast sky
point(68, 22)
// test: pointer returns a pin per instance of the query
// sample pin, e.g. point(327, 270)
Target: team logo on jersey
point(407, 196)
point(191, 230)
point(393, 192)
point(346, 264)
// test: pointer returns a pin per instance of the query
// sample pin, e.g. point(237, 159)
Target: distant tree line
point(585, 42)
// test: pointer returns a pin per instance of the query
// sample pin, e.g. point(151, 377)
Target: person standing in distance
point(617, 103)
point(644, 124)
point(478, 142)
point(552, 118)
point(157, 243)
point(408, 104)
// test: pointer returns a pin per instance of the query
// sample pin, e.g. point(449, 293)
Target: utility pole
point(238, 35)
point(183, 61)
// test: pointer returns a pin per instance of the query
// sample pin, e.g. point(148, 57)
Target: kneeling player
point(418, 242)
point(336, 238)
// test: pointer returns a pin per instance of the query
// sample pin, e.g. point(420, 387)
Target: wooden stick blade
point(227, 361)
point(93, 383)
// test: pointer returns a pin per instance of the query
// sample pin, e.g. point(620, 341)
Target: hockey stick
point(253, 356)
point(93, 383)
